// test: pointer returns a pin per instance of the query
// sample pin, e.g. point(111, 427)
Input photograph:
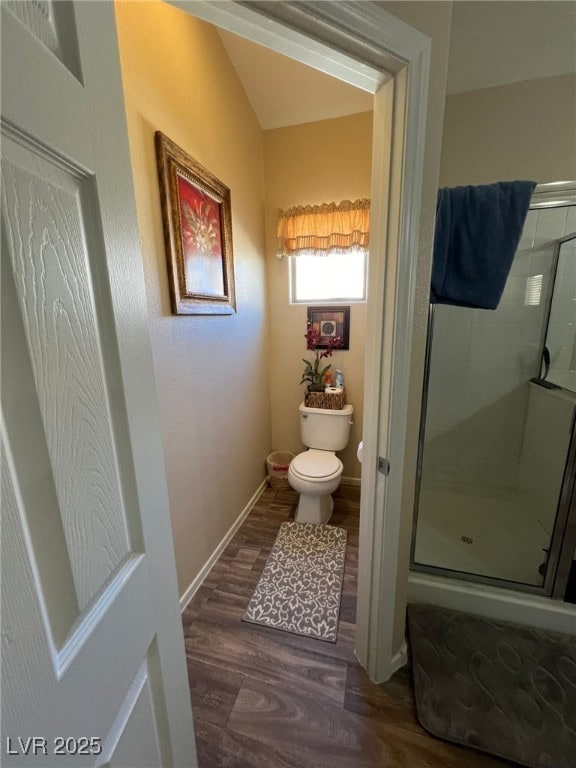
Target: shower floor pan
point(487, 533)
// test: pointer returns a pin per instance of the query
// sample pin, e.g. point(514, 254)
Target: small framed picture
point(196, 214)
point(331, 322)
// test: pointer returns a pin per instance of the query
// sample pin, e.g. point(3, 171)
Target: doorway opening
point(365, 46)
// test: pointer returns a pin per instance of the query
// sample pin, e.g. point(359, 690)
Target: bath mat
point(300, 587)
point(499, 687)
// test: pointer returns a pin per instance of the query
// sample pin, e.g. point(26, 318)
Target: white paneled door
point(93, 665)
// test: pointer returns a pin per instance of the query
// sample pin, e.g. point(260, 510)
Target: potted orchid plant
point(313, 374)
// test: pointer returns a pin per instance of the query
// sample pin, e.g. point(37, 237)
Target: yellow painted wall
point(211, 372)
point(321, 162)
point(525, 130)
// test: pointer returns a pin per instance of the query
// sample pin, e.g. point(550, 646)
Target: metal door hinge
point(383, 466)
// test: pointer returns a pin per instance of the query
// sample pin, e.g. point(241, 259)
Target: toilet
point(316, 473)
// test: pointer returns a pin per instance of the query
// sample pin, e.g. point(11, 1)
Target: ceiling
point(283, 91)
point(492, 43)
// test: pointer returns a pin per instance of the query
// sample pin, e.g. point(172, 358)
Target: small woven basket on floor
point(277, 464)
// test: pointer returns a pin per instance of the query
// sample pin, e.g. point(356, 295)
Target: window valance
point(324, 228)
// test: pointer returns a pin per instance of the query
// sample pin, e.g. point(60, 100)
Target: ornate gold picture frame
point(197, 220)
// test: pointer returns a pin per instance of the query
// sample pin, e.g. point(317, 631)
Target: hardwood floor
point(263, 698)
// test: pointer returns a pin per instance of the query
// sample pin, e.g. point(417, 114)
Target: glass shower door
point(495, 446)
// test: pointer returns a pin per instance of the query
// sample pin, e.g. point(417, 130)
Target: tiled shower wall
point(561, 336)
point(481, 362)
point(543, 458)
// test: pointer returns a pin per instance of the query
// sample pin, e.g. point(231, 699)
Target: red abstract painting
point(201, 240)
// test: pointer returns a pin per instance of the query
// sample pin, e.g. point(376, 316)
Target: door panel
point(93, 661)
point(52, 24)
point(134, 736)
point(45, 224)
point(26, 644)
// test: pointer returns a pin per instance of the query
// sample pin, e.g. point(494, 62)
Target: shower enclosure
point(497, 461)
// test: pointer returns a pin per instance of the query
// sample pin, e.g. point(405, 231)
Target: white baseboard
point(350, 481)
point(207, 567)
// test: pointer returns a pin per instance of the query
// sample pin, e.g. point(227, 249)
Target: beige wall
point(326, 161)
point(211, 372)
point(526, 130)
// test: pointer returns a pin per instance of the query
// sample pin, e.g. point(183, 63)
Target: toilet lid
point(316, 463)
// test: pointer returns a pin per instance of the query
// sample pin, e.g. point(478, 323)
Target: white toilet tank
point(325, 429)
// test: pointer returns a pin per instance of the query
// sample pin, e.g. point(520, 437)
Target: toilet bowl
point(316, 473)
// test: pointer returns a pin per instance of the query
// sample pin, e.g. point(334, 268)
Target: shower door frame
point(563, 539)
point(566, 522)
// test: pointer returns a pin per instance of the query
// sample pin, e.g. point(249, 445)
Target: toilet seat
point(316, 466)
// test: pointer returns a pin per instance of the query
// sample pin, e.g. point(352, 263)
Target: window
point(331, 277)
point(328, 249)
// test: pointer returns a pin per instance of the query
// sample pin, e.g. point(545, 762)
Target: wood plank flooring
point(263, 698)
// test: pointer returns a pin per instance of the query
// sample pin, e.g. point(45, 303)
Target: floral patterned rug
point(300, 587)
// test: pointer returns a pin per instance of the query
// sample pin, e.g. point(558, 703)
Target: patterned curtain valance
point(323, 228)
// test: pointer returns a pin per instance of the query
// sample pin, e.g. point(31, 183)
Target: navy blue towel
point(477, 233)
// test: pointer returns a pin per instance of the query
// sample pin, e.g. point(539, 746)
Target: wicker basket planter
point(332, 401)
point(277, 464)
